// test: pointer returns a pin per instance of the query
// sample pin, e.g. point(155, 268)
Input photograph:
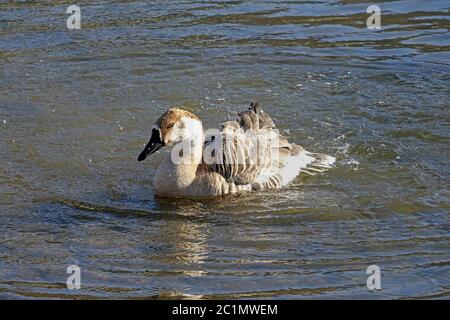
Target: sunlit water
point(76, 108)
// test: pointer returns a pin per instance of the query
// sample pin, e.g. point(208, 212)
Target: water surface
point(76, 108)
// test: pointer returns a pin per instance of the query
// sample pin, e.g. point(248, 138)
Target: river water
point(76, 107)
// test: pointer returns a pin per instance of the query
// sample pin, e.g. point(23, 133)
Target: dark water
point(77, 106)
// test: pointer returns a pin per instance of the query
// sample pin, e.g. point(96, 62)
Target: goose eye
point(170, 125)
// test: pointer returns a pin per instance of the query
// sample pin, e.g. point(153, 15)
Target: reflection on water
point(189, 239)
point(76, 107)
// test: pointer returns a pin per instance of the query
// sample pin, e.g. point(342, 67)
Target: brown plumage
point(255, 118)
point(170, 117)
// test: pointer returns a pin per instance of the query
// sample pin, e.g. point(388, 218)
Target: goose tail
point(304, 162)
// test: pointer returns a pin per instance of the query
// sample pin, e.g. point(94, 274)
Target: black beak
point(153, 145)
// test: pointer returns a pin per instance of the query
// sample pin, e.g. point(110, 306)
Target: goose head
point(174, 126)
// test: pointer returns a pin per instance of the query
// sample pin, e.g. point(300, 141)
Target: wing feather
point(248, 151)
point(243, 148)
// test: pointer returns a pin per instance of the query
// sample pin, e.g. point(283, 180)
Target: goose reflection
point(187, 233)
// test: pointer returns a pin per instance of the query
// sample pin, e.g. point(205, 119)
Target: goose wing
point(247, 148)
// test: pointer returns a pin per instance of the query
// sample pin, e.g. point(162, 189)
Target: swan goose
point(227, 161)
